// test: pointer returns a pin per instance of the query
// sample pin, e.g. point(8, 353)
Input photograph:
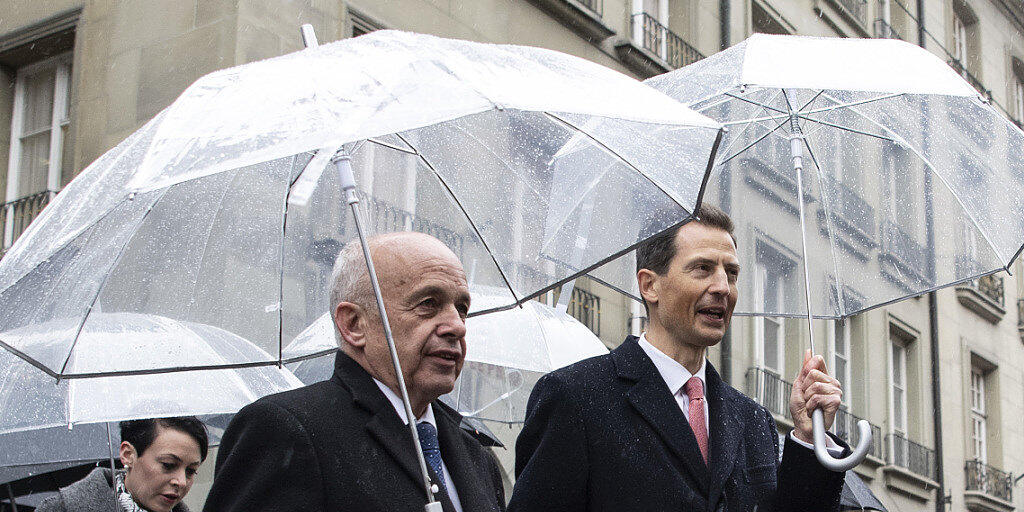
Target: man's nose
point(720, 282)
point(451, 323)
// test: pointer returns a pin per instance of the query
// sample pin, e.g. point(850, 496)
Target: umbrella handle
point(826, 459)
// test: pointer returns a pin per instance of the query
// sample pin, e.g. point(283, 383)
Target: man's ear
point(350, 321)
point(647, 281)
point(127, 454)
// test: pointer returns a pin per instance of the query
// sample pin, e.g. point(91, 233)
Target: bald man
point(344, 444)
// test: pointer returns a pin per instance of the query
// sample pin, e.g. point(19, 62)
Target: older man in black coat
point(652, 427)
point(344, 444)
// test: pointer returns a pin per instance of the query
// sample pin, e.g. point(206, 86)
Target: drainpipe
point(724, 12)
point(933, 321)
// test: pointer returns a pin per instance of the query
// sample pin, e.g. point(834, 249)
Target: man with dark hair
point(344, 444)
point(652, 426)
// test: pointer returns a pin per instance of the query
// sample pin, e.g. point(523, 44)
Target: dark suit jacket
point(606, 434)
point(339, 445)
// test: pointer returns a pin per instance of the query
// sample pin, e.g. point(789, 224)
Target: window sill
point(908, 483)
point(979, 501)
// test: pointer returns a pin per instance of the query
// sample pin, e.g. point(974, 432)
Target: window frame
point(898, 360)
point(60, 118)
point(843, 326)
point(978, 416)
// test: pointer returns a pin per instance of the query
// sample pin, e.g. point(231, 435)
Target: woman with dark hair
point(160, 457)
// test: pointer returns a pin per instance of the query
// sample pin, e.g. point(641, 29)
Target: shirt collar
point(672, 372)
point(396, 402)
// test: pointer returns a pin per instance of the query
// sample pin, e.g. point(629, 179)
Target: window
point(650, 25)
point(964, 44)
point(978, 420)
point(899, 387)
point(39, 124)
point(1018, 98)
point(839, 343)
point(959, 38)
point(361, 24)
point(771, 273)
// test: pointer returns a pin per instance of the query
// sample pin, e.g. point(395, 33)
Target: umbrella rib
point(462, 208)
point(762, 105)
point(627, 162)
point(841, 105)
point(748, 146)
point(30, 360)
point(942, 179)
point(844, 128)
point(390, 146)
point(103, 281)
point(831, 227)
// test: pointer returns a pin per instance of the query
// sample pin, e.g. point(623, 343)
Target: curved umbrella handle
point(827, 460)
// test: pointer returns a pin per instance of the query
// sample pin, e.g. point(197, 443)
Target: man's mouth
point(713, 313)
point(447, 355)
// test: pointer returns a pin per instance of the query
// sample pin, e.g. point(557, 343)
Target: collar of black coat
point(657, 405)
point(385, 426)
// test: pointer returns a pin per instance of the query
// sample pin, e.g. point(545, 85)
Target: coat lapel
point(470, 480)
point(384, 424)
point(726, 431)
point(655, 403)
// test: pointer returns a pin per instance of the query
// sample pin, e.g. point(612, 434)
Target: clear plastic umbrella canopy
point(33, 401)
point(911, 181)
point(223, 210)
point(506, 353)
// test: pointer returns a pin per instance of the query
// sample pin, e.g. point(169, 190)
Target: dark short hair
point(656, 253)
point(142, 433)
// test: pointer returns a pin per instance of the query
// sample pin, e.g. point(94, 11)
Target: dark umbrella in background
point(857, 496)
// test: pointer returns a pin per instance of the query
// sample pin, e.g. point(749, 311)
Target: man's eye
point(167, 466)
point(428, 303)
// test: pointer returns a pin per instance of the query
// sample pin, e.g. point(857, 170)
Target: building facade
point(939, 377)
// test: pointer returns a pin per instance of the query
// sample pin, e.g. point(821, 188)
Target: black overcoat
point(339, 445)
point(606, 434)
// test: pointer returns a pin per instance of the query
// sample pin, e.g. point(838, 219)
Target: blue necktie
point(432, 452)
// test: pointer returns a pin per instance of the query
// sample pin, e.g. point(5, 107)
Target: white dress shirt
point(675, 375)
point(428, 417)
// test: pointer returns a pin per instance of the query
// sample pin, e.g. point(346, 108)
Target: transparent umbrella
point(218, 210)
point(506, 353)
point(859, 172)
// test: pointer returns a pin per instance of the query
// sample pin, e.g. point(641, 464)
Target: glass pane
point(38, 113)
point(897, 409)
point(897, 364)
point(35, 164)
point(840, 373)
point(771, 343)
point(840, 339)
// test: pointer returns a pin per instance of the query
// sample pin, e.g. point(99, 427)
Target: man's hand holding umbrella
point(813, 389)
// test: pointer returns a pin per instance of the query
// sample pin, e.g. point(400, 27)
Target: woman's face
point(161, 477)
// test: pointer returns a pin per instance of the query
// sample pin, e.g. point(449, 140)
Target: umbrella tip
point(308, 36)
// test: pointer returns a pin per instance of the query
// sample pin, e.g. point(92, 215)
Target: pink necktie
point(694, 389)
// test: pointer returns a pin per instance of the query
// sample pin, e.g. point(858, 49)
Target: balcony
point(769, 390)
point(987, 488)
point(854, 217)
point(984, 296)
point(909, 455)
point(18, 214)
point(855, 10)
point(973, 80)
point(884, 30)
point(778, 186)
point(385, 217)
point(846, 428)
point(581, 16)
point(586, 307)
point(654, 49)
point(902, 258)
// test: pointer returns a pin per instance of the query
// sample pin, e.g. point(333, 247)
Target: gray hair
point(350, 282)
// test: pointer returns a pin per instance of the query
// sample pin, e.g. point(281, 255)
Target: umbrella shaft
point(344, 166)
point(796, 142)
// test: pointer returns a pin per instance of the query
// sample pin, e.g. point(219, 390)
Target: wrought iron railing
point(594, 6)
point(847, 430)
point(962, 70)
point(21, 212)
point(884, 30)
point(991, 286)
point(386, 217)
point(769, 390)
point(989, 480)
point(910, 455)
point(901, 247)
point(586, 307)
point(853, 208)
point(858, 9)
point(657, 38)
